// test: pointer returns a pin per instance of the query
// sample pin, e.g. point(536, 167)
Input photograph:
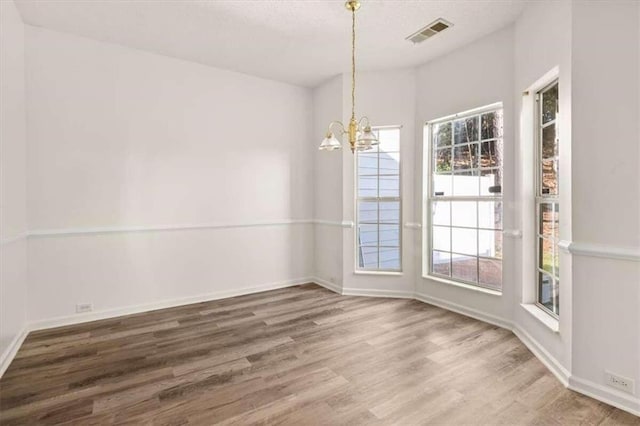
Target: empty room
point(319, 212)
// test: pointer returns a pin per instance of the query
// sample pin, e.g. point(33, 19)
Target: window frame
point(540, 198)
point(357, 199)
point(429, 198)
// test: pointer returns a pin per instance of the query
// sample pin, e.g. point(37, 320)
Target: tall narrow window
point(465, 198)
point(547, 203)
point(378, 216)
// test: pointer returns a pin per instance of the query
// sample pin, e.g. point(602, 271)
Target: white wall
point(606, 184)
point(13, 286)
point(327, 166)
point(476, 75)
point(123, 138)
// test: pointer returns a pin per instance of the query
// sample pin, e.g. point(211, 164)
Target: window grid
point(484, 144)
point(547, 201)
point(382, 224)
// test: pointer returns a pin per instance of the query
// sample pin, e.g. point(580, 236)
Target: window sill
point(463, 285)
point(383, 273)
point(542, 316)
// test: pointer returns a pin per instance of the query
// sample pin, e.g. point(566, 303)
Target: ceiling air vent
point(430, 30)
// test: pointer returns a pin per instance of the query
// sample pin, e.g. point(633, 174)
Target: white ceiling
point(302, 42)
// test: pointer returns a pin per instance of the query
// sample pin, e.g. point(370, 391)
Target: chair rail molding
point(600, 250)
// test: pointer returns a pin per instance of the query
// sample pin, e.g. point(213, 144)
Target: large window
point(465, 198)
point(547, 204)
point(378, 216)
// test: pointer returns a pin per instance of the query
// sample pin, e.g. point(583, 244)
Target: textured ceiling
point(302, 42)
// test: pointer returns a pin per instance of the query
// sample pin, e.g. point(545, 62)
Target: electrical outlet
point(84, 307)
point(623, 383)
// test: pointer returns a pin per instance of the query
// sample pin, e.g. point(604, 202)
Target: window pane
point(389, 212)
point(389, 235)
point(467, 163)
point(548, 293)
point(464, 213)
point(491, 182)
point(367, 164)
point(491, 154)
point(465, 157)
point(464, 241)
point(389, 163)
point(465, 130)
point(442, 135)
point(441, 238)
point(491, 125)
point(440, 213)
point(490, 243)
point(441, 263)
point(545, 248)
point(466, 183)
point(549, 104)
point(556, 261)
point(442, 159)
point(549, 177)
point(389, 186)
point(368, 257)
point(368, 186)
point(442, 185)
point(367, 212)
point(490, 273)
point(549, 145)
point(464, 267)
point(389, 140)
point(490, 214)
point(378, 228)
point(548, 221)
point(389, 258)
point(367, 235)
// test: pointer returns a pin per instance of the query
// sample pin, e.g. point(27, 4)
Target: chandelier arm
point(366, 120)
point(342, 129)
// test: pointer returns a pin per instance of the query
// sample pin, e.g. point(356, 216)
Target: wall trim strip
point(13, 239)
point(603, 251)
point(11, 351)
point(39, 233)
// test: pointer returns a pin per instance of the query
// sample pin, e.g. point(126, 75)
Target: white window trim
point(356, 198)
point(426, 202)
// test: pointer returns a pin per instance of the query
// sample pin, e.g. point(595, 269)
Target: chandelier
point(361, 137)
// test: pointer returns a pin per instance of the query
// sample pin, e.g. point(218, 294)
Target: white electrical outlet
point(623, 383)
point(84, 307)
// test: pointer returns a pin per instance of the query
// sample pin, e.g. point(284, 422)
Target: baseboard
point(135, 309)
point(463, 310)
point(605, 394)
point(10, 353)
point(552, 364)
point(328, 285)
point(371, 292)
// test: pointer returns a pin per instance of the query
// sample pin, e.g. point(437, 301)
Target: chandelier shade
point(329, 143)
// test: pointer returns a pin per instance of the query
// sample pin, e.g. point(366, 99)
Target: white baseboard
point(543, 355)
point(135, 309)
point(469, 312)
point(371, 292)
point(328, 285)
point(602, 393)
point(606, 394)
point(10, 353)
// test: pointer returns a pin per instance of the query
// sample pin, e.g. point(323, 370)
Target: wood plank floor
point(301, 355)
